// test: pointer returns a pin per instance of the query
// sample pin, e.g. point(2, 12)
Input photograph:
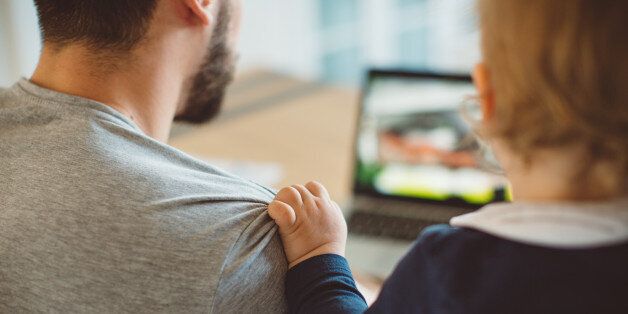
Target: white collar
point(553, 225)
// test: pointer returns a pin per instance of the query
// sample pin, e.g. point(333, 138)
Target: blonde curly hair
point(559, 70)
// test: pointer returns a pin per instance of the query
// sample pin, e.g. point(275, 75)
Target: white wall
point(283, 35)
point(286, 35)
point(5, 68)
point(457, 44)
point(20, 42)
point(275, 34)
point(376, 25)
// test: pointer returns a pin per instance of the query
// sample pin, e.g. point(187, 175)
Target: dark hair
point(100, 24)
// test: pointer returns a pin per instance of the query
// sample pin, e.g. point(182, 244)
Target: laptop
point(417, 160)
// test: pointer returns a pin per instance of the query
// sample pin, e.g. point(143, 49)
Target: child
point(554, 99)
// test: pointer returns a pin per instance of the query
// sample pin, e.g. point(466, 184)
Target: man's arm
point(253, 273)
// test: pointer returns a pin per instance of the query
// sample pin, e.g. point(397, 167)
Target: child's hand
point(310, 223)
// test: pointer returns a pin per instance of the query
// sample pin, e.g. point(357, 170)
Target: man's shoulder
point(187, 195)
point(158, 173)
point(6, 96)
point(150, 210)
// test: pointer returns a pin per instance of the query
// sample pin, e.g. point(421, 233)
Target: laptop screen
point(413, 142)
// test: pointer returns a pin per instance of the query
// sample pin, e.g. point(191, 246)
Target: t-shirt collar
point(26, 87)
point(556, 225)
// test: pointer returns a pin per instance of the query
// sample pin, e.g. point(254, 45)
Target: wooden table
point(305, 127)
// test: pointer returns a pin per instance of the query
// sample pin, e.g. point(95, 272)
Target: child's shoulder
point(473, 271)
point(442, 238)
point(459, 246)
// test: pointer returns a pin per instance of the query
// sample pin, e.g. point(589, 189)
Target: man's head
point(116, 29)
point(554, 76)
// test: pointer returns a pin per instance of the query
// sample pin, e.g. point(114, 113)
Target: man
point(97, 213)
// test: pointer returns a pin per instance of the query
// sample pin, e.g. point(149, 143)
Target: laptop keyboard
point(402, 221)
point(380, 225)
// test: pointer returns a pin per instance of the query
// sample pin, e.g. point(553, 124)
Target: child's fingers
point(339, 210)
point(306, 196)
point(317, 189)
point(283, 214)
point(290, 196)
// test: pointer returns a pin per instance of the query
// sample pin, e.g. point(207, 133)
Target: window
point(407, 3)
point(338, 12)
point(342, 66)
point(412, 48)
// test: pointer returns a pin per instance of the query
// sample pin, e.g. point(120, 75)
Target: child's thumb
point(283, 215)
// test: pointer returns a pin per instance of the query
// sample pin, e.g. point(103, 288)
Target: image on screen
point(414, 143)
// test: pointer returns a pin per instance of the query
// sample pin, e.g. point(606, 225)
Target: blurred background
point(291, 114)
point(326, 40)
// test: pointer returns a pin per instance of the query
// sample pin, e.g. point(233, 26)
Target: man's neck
point(143, 89)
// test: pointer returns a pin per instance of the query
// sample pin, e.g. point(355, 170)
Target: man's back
point(97, 217)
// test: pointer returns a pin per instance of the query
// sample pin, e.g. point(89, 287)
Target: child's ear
point(482, 80)
point(198, 10)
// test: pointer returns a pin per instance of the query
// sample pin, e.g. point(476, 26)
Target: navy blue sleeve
point(457, 270)
point(323, 284)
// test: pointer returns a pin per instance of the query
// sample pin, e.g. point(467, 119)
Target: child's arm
point(314, 235)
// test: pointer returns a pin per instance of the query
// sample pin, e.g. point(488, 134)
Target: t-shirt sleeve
point(253, 274)
point(323, 284)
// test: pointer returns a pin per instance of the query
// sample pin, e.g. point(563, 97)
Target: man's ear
point(199, 10)
point(482, 80)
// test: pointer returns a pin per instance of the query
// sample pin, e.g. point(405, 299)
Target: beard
point(207, 88)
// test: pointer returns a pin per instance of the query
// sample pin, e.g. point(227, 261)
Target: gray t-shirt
point(95, 216)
